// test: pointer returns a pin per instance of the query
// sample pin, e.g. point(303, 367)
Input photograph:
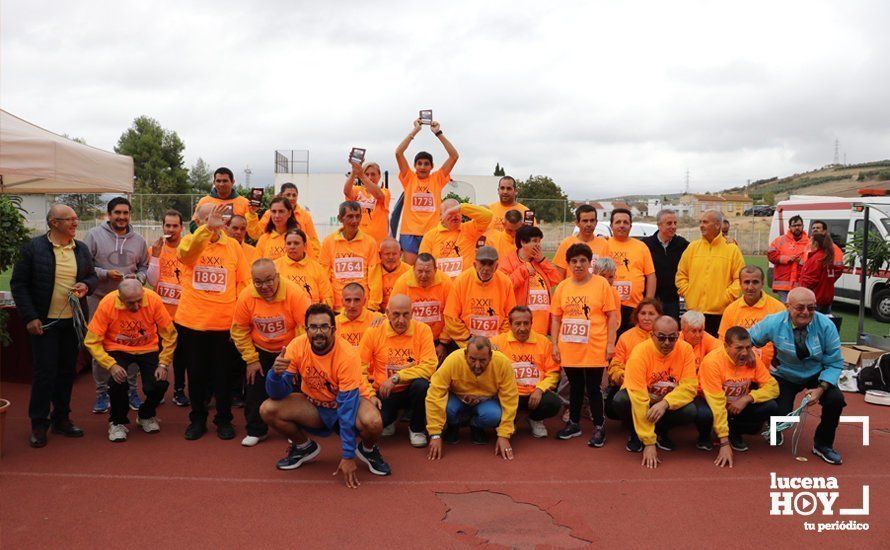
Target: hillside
point(836, 180)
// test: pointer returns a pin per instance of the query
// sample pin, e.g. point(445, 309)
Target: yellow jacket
point(708, 275)
point(455, 376)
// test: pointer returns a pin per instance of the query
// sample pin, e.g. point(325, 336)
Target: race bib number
point(450, 266)
point(423, 202)
point(735, 389)
point(538, 300)
point(575, 330)
point(169, 294)
point(209, 279)
point(623, 288)
point(662, 388)
point(426, 312)
point(270, 327)
point(349, 268)
point(484, 325)
point(526, 373)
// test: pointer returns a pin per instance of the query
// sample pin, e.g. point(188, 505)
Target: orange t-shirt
point(502, 242)
point(213, 273)
point(324, 376)
point(352, 331)
point(256, 228)
point(598, 245)
point(455, 249)
point(499, 210)
point(740, 314)
point(584, 329)
point(348, 261)
point(271, 324)
point(482, 308)
point(427, 304)
point(375, 213)
point(423, 201)
point(236, 204)
point(633, 262)
point(533, 364)
point(384, 353)
point(650, 371)
point(169, 286)
point(626, 343)
point(707, 345)
point(308, 275)
point(123, 330)
point(271, 245)
point(250, 253)
point(387, 280)
point(723, 383)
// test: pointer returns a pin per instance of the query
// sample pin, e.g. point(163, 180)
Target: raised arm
point(449, 163)
point(404, 167)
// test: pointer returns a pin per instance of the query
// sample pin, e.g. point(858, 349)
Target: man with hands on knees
point(475, 384)
point(334, 397)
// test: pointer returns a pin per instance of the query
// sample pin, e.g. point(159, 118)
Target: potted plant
point(877, 259)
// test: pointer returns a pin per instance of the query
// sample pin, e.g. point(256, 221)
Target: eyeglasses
point(267, 282)
point(667, 337)
point(72, 219)
point(318, 328)
point(800, 309)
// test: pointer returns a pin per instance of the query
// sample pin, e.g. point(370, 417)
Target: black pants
point(671, 419)
point(609, 402)
point(671, 309)
point(255, 394)
point(626, 323)
point(210, 356)
point(589, 379)
point(413, 398)
point(832, 403)
point(178, 364)
point(154, 389)
point(712, 323)
point(749, 421)
point(547, 408)
point(54, 354)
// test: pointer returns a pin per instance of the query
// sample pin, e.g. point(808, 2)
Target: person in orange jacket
point(786, 254)
point(532, 275)
point(644, 315)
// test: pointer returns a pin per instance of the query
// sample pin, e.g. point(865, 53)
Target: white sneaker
point(117, 433)
point(149, 425)
point(389, 431)
point(418, 439)
point(252, 440)
point(538, 428)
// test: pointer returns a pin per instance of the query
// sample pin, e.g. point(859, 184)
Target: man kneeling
point(474, 384)
point(334, 396)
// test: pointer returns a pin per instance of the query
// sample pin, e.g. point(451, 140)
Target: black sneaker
point(296, 456)
point(598, 439)
point(237, 402)
point(664, 443)
point(372, 458)
point(571, 430)
point(479, 436)
point(704, 444)
point(737, 443)
point(180, 399)
point(828, 454)
point(451, 434)
point(195, 431)
point(225, 431)
point(634, 445)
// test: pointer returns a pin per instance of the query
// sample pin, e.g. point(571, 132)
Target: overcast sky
point(607, 98)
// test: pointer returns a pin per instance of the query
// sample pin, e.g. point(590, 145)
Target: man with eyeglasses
point(51, 267)
point(334, 396)
point(786, 253)
point(268, 315)
point(659, 386)
point(808, 350)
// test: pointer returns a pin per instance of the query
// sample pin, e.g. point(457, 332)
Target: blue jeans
point(485, 415)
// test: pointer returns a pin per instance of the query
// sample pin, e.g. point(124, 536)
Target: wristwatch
point(437, 134)
point(394, 378)
point(436, 436)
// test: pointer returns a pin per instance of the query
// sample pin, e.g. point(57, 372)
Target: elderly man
point(125, 330)
point(808, 350)
point(268, 315)
point(666, 247)
point(635, 272)
point(399, 357)
point(659, 386)
point(480, 300)
point(752, 307)
point(428, 289)
point(349, 254)
point(692, 331)
point(334, 396)
point(52, 267)
point(474, 385)
point(453, 243)
point(708, 273)
point(236, 228)
point(585, 220)
point(786, 253)
point(384, 275)
point(355, 319)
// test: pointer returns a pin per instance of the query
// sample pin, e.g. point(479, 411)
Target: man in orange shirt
point(428, 290)
point(214, 271)
point(236, 228)
point(751, 308)
point(504, 240)
point(349, 254)
point(289, 191)
point(634, 270)
point(399, 358)
point(124, 330)
point(384, 275)
point(373, 198)
point(480, 300)
point(223, 193)
point(536, 372)
point(585, 219)
point(507, 201)
point(735, 381)
point(659, 386)
point(334, 396)
point(453, 243)
point(354, 319)
point(786, 253)
point(299, 268)
point(268, 315)
point(165, 276)
point(423, 189)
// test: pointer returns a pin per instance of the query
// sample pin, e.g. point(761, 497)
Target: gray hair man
point(666, 248)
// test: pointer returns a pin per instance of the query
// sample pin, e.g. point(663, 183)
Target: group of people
point(462, 321)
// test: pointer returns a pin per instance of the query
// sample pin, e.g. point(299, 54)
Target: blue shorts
point(331, 422)
point(410, 243)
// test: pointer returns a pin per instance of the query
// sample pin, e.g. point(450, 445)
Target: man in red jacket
point(786, 254)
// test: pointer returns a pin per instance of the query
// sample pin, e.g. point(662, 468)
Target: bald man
point(453, 243)
point(808, 350)
point(51, 267)
point(383, 276)
point(126, 329)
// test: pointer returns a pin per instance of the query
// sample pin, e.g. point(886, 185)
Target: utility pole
point(837, 148)
point(687, 182)
point(247, 173)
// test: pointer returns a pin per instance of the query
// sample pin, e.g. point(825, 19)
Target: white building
point(683, 210)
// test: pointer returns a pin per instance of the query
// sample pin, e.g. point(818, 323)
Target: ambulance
point(843, 220)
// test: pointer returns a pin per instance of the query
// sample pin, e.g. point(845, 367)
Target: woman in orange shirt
point(643, 317)
point(373, 198)
point(532, 275)
point(281, 220)
point(296, 266)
